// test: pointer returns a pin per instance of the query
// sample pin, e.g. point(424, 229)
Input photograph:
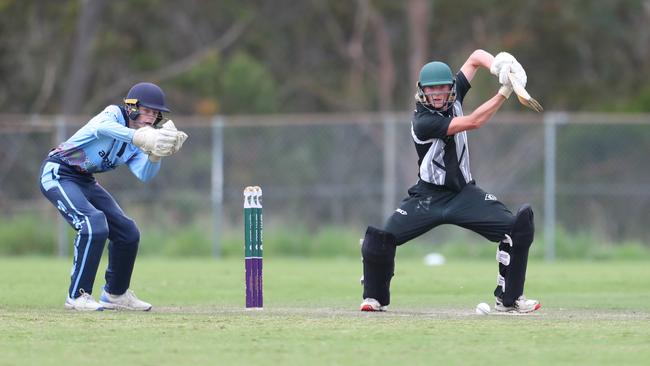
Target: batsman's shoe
point(85, 302)
point(371, 304)
point(521, 305)
point(126, 301)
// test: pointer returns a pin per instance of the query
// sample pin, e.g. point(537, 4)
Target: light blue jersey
point(103, 144)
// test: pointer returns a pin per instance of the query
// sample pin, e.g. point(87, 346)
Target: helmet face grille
point(451, 99)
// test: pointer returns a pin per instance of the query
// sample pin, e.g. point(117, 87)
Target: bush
point(30, 234)
point(27, 234)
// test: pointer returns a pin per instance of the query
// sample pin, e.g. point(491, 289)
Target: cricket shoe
point(521, 305)
point(85, 302)
point(126, 301)
point(371, 304)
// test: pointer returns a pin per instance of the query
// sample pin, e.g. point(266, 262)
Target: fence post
point(62, 241)
point(390, 158)
point(217, 183)
point(551, 120)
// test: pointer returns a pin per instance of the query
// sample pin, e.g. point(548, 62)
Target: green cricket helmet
point(432, 74)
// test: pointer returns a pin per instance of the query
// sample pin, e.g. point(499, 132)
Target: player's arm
point(477, 59)
point(479, 116)
point(143, 167)
point(107, 123)
point(502, 66)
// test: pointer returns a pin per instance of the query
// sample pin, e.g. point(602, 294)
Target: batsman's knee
point(378, 246)
point(512, 255)
point(521, 236)
point(523, 229)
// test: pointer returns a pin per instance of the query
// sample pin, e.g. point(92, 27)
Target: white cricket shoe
point(126, 301)
point(521, 305)
point(371, 304)
point(85, 302)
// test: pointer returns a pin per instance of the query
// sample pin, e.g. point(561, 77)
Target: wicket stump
point(253, 248)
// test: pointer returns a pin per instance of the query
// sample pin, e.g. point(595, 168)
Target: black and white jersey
point(443, 160)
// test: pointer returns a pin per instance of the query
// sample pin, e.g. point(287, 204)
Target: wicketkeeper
point(131, 134)
point(446, 193)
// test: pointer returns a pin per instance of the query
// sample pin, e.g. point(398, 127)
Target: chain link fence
point(581, 172)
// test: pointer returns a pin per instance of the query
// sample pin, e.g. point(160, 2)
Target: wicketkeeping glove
point(180, 135)
point(154, 141)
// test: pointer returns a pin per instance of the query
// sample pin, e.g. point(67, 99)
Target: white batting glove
point(505, 91)
point(519, 72)
point(500, 60)
point(151, 140)
point(504, 78)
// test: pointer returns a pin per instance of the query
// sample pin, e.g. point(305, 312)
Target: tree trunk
point(80, 67)
point(356, 56)
point(419, 13)
point(386, 77)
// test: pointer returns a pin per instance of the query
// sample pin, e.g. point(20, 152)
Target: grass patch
point(593, 313)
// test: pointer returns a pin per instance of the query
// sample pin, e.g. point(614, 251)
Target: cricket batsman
point(446, 193)
point(130, 134)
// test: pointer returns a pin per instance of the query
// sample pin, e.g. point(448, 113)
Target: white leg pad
point(503, 257)
point(501, 282)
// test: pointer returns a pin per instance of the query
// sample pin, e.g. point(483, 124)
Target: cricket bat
point(523, 96)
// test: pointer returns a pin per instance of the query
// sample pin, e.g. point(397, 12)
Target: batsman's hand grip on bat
point(505, 64)
point(505, 91)
point(517, 71)
point(500, 60)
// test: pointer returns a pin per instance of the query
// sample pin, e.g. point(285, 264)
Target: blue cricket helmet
point(147, 95)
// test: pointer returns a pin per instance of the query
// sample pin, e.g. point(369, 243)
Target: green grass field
point(593, 313)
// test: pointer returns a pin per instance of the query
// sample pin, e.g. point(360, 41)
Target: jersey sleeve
point(427, 126)
point(143, 168)
point(110, 123)
point(462, 86)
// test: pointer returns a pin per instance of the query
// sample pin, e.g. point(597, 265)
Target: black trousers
point(428, 206)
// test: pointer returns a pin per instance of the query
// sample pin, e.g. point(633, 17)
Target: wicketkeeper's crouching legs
point(512, 256)
point(378, 251)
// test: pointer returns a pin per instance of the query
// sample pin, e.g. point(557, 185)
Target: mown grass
point(593, 313)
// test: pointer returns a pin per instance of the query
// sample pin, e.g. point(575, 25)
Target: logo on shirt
point(105, 161)
point(490, 197)
point(401, 212)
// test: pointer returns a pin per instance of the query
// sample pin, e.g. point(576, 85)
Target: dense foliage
point(285, 56)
